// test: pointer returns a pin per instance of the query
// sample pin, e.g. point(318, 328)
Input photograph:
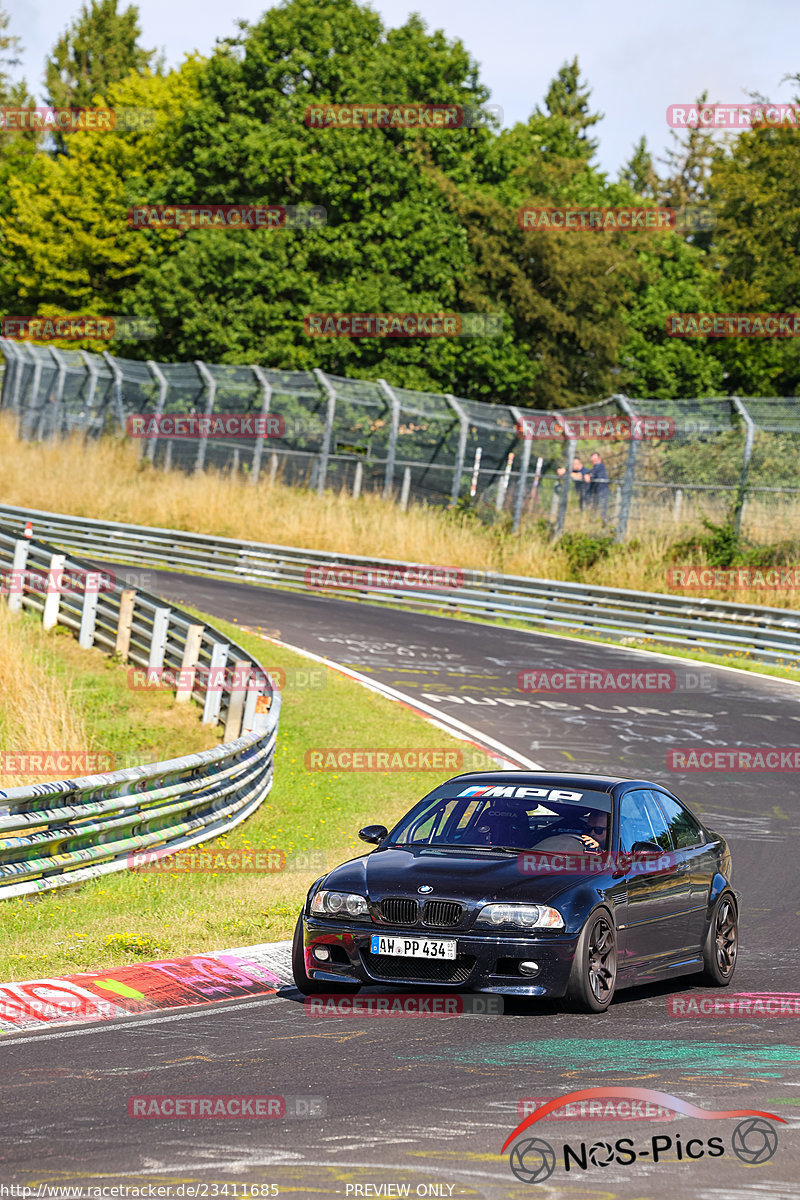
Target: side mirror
point(648, 849)
point(373, 833)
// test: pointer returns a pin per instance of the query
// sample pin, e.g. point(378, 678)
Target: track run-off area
point(428, 1103)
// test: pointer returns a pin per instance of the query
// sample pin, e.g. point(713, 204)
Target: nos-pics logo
point(532, 1159)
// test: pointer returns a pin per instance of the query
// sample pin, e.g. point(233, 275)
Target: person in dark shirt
point(578, 477)
point(597, 485)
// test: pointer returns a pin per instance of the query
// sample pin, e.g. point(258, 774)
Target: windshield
point(556, 819)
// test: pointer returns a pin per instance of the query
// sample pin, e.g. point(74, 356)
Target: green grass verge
point(131, 916)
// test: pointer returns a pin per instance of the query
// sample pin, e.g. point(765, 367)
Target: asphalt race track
point(428, 1103)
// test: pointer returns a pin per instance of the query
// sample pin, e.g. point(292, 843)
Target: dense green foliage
point(418, 220)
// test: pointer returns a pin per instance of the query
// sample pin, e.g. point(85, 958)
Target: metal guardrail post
point(527, 446)
point(215, 684)
point(211, 386)
point(233, 720)
point(158, 640)
point(463, 433)
point(327, 437)
point(117, 373)
point(163, 388)
point(91, 597)
point(630, 471)
point(391, 450)
point(266, 401)
point(747, 454)
point(191, 653)
point(125, 621)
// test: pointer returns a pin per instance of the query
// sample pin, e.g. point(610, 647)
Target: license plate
point(412, 947)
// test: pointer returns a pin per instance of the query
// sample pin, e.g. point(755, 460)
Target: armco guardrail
point(766, 634)
point(53, 834)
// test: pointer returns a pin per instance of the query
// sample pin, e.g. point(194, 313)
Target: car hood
point(452, 875)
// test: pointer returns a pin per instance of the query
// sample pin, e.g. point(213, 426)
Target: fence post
point(117, 373)
point(191, 653)
point(213, 702)
point(677, 505)
point(211, 391)
point(405, 489)
point(235, 713)
point(741, 491)
point(358, 479)
point(34, 389)
point(52, 601)
point(476, 470)
point(527, 446)
point(55, 416)
point(163, 387)
point(330, 392)
point(16, 588)
point(630, 471)
point(13, 375)
point(463, 433)
point(273, 466)
point(91, 368)
point(127, 600)
point(266, 401)
point(394, 427)
point(561, 514)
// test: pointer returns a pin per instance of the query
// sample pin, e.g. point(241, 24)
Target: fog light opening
point(322, 953)
point(528, 968)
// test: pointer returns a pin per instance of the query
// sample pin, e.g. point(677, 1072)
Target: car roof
point(594, 783)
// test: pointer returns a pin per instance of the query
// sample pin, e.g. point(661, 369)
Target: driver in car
point(595, 825)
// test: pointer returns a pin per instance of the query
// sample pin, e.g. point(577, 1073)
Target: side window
point(683, 827)
point(641, 820)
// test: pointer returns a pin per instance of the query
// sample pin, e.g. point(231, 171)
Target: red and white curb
point(198, 979)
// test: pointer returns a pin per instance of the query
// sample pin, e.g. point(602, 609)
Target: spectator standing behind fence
point(578, 479)
point(597, 485)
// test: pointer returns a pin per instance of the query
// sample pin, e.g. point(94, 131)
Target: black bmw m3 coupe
point(526, 883)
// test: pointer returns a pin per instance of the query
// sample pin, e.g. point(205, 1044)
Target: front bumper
point(483, 963)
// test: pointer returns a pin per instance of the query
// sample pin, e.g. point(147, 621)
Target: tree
point(639, 173)
point(99, 48)
point(688, 162)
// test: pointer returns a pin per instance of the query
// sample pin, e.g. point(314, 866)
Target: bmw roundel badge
point(425, 889)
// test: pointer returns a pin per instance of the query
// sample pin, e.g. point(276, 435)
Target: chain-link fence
point(618, 465)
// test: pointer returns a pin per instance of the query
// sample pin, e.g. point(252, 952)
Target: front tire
point(721, 946)
point(593, 977)
point(303, 982)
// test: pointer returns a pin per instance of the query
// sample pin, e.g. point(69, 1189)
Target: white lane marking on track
point(442, 720)
point(196, 1010)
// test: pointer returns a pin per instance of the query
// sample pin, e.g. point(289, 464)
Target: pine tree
point(99, 48)
point(639, 172)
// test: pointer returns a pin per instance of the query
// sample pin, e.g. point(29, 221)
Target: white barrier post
point(158, 642)
point(53, 598)
point(91, 595)
point(16, 588)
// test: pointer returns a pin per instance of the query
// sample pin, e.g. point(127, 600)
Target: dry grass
point(38, 710)
point(105, 479)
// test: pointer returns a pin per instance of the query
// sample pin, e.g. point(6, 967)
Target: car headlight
point(339, 904)
point(521, 916)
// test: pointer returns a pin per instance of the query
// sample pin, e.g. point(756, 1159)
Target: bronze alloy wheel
point(726, 938)
point(602, 960)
